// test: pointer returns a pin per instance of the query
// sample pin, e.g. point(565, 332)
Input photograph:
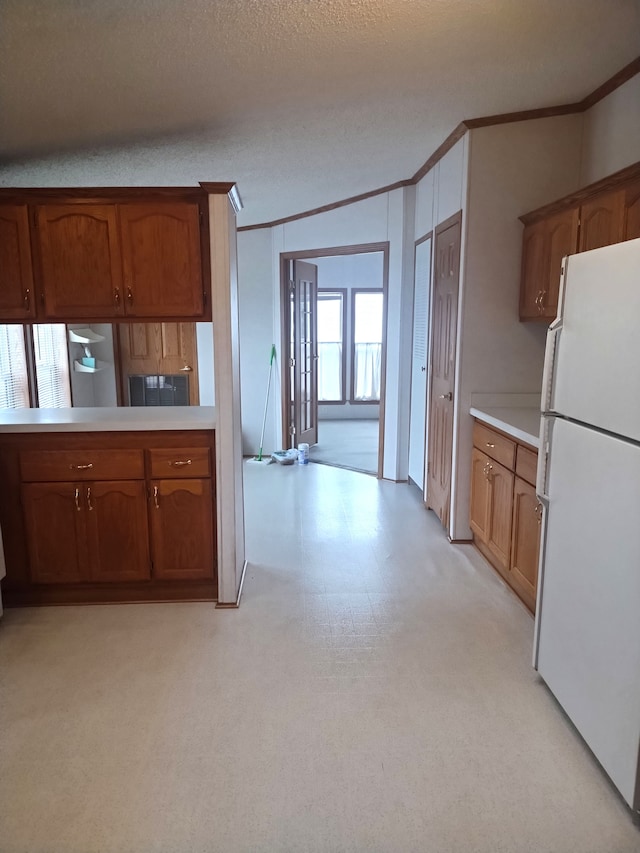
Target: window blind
point(52, 365)
point(14, 381)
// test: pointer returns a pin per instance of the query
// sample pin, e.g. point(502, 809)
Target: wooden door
point(525, 541)
point(182, 529)
point(444, 318)
point(500, 508)
point(417, 418)
point(304, 285)
point(80, 265)
point(602, 221)
point(480, 494)
point(632, 212)
point(158, 348)
point(562, 240)
point(534, 269)
point(117, 530)
point(17, 300)
point(55, 522)
point(161, 259)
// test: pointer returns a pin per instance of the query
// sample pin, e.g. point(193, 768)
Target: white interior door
point(420, 348)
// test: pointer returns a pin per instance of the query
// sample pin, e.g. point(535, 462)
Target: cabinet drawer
point(527, 464)
point(180, 462)
point(496, 446)
point(46, 466)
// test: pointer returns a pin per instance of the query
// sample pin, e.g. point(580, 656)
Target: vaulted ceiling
point(302, 102)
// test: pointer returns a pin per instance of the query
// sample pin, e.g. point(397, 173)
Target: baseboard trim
point(234, 605)
point(460, 541)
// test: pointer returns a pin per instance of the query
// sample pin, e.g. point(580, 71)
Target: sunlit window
point(330, 317)
point(46, 345)
point(367, 345)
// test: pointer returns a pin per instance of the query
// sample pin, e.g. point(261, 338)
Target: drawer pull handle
point(77, 497)
point(130, 296)
point(490, 445)
point(81, 467)
point(89, 504)
point(156, 502)
point(116, 296)
point(180, 463)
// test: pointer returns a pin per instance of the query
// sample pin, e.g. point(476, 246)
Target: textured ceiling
point(302, 102)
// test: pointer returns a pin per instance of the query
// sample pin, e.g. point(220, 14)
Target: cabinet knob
point(27, 300)
point(489, 444)
point(129, 296)
point(116, 296)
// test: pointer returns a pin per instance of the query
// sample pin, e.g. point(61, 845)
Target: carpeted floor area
point(349, 444)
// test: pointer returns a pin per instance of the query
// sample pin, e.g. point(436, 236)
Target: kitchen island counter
point(103, 419)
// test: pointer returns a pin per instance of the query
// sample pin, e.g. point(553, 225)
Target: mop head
point(260, 460)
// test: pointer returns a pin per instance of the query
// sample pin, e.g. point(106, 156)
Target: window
point(14, 383)
point(331, 333)
point(45, 347)
point(367, 345)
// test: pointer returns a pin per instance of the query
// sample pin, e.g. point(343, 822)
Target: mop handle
point(266, 402)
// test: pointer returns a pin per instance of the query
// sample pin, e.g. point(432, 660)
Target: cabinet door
point(562, 239)
point(632, 212)
point(525, 541)
point(80, 260)
point(182, 529)
point(161, 259)
point(534, 269)
point(480, 494)
point(500, 508)
point(602, 221)
point(55, 522)
point(17, 300)
point(117, 532)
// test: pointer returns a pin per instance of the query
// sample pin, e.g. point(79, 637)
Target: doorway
point(345, 358)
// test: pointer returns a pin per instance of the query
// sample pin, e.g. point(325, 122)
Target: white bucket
point(303, 453)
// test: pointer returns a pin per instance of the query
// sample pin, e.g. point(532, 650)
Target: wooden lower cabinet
point(95, 539)
point(504, 511)
point(525, 541)
point(181, 532)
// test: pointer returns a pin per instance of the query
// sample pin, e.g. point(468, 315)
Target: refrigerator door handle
point(550, 356)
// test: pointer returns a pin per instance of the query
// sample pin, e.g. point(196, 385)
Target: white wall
point(513, 168)
point(206, 374)
point(441, 192)
point(256, 317)
point(94, 389)
point(349, 272)
point(611, 138)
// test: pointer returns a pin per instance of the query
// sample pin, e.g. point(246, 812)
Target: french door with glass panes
point(303, 355)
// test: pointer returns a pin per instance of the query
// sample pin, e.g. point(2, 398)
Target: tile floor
point(373, 693)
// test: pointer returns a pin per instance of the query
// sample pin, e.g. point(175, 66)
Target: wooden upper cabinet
point(79, 255)
point(161, 259)
point(17, 300)
point(545, 244)
point(602, 220)
point(534, 269)
point(632, 212)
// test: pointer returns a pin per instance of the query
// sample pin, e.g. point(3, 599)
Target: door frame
point(428, 236)
point(329, 252)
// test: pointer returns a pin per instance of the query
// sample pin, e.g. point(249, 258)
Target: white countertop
point(520, 422)
point(102, 419)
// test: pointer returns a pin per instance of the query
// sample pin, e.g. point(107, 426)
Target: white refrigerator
point(587, 633)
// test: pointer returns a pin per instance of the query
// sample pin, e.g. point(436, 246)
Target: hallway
point(373, 693)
